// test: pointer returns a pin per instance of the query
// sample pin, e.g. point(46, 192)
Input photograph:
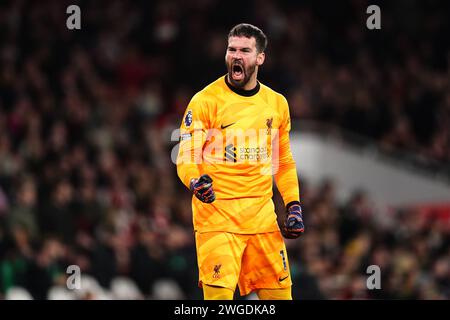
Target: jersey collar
point(243, 92)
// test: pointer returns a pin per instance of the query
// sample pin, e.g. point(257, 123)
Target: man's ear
point(260, 58)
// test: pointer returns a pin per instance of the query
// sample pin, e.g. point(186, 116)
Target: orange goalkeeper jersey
point(241, 140)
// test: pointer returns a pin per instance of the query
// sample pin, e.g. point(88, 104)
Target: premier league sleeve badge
point(188, 119)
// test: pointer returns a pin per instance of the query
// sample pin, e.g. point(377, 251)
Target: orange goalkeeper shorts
point(252, 261)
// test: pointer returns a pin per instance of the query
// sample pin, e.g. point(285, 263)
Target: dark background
point(86, 118)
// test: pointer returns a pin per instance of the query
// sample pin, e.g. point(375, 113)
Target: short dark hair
point(248, 30)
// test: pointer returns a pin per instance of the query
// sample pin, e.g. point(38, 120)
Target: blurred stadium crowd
point(86, 117)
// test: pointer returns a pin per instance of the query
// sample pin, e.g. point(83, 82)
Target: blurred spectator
point(23, 214)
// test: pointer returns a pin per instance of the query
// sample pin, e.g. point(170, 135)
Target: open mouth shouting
point(237, 71)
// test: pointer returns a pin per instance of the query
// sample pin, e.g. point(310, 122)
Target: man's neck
point(241, 91)
point(250, 85)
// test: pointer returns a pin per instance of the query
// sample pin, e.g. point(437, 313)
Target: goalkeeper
point(234, 139)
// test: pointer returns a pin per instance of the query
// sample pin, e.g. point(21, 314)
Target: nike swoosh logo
point(281, 279)
point(223, 127)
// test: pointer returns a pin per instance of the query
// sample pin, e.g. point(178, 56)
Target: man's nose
point(237, 55)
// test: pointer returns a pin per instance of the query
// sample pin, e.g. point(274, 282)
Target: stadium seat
point(123, 288)
point(18, 293)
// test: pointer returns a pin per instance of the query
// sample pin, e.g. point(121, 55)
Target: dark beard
point(248, 72)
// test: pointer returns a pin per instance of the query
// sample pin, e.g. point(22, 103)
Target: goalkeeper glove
point(202, 189)
point(293, 223)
